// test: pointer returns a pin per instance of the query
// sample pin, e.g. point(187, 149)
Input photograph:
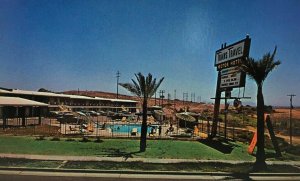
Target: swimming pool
point(126, 128)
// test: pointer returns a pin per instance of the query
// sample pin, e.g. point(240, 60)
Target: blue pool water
point(123, 128)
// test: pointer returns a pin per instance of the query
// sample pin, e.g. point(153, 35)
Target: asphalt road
point(72, 176)
point(95, 177)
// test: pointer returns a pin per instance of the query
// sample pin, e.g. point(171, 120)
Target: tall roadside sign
point(227, 61)
point(232, 77)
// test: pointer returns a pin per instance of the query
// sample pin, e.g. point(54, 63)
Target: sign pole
point(225, 118)
point(216, 107)
point(227, 95)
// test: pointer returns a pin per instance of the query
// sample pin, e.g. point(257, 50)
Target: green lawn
point(130, 147)
point(121, 147)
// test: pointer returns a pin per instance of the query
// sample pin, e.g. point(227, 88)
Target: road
point(59, 176)
point(73, 176)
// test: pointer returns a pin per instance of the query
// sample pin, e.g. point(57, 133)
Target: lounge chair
point(103, 126)
point(134, 132)
point(123, 119)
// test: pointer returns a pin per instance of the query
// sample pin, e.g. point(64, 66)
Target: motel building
point(15, 103)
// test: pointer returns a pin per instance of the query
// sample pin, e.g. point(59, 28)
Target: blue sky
point(64, 45)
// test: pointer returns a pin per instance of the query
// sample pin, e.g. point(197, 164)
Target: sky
point(68, 45)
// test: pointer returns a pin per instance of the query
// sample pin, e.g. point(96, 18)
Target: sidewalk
point(125, 159)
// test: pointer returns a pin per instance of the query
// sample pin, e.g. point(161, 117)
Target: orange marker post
point(254, 139)
point(253, 143)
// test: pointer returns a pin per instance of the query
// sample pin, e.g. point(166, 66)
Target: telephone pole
point(193, 97)
point(185, 97)
point(118, 76)
point(174, 101)
point(162, 97)
point(291, 108)
point(174, 94)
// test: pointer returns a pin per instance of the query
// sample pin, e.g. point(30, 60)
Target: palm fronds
point(143, 86)
point(259, 70)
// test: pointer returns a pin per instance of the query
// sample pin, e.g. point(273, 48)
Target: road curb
point(144, 172)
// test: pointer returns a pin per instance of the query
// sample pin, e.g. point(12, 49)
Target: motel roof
point(36, 93)
point(102, 99)
point(121, 100)
point(78, 97)
point(51, 94)
point(16, 101)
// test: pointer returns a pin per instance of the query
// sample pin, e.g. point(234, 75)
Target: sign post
point(216, 107)
point(227, 61)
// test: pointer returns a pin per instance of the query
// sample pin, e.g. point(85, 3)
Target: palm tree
point(258, 71)
point(144, 88)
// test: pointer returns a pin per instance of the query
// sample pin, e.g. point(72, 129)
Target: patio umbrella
point(185, 120)
point(185, 116)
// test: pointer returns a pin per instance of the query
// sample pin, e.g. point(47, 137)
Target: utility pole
point(162, 97)
point(174, 101)
point(159, 93)
point(199, 99)
point(193, 97)
point(174, 94)
point(187, 97)
point(184, 97)
point(291, 108)
point(118, 76)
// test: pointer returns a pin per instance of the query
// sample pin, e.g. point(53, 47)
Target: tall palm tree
point(258, 71)
point(144, 88)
